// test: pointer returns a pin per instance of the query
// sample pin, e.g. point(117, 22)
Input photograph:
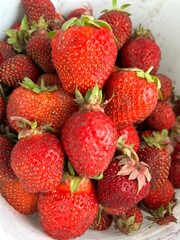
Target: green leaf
point(34, 125)
point(51, 34)
point(69, 23)
point(24, 24)
point(114, 4)
point(74, 184)
point(71, 169)
point(98, 177)
point(11, 40)
point(11, 33)
point(78, 96)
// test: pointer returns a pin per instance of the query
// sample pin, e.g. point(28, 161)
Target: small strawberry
point(130, 136)
point(34, 9)
point(93, 55)
point(49, 79)
point(125, 182)
point(14, 69)
point(162, 117)
point(119, 21)
point(78, 12)
point(49, 104)
point(166, 86)
point(67, 213)
point(130, 221)
point(135, 95)
point(39, 49)
point(156, 154)
point(89, 136)
point(159, 196)
point(15, 194)
point(140, 51)
point(5, 152)
point(6, 51)
point(38, 159)
point(102, 221)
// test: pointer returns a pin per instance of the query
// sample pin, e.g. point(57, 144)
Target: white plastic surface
point(162, 17)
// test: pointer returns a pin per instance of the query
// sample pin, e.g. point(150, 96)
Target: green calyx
point(29, 84)
point(142, 32)
point(93, 99)
point(157, 139)
point(31, 128)
point(85, 21)
point(19, 38)
point(114, 7)
point(74, 181)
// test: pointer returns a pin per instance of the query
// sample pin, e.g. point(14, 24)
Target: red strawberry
point(38, 160)
point(159, 196)
point(78, 12)
point(58, 21)
point(39, 49)
point(141, 51)
point(130, 221)
point(14, 69)
point(2, 104)
point(130, 136)
point(158, 159)
point(134, 96)
point(119, 21)
point(92, 58)
point(6, 51)
point(116, 210)
point(66, 214)
point(5, 151)
point(49, 79)
point(166, 86)
point(34, 9)
point(162, 117)
point(21, 200)
point(125, 182)
point(89, 136)
point(102, 221)
point(43, 104)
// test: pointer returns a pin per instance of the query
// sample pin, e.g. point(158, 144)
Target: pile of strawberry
point(90, 133)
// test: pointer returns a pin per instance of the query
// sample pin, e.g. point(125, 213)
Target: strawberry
point(162, 117)
point(2, 104)
point(58, 21)
point(130, 221)
point(78, 12)
point(6, 51)
point(159, 196)
point(65, 213)
point(35, 9)
point(166, 85)
point(49, 79)
point(130, 136)
point(102, 221)
point(38, 48)
point(119, 21)
point(89, 136)
point(158, 158)
point(125, 182)
point(134, 96)
point(116, 210)
point(93, 55)
point(14, 69)
point(21, 200)
point(5, 151)
point(43, 104)
point(140, 51)
point(38, 159)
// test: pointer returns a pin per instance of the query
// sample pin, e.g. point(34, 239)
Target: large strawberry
point(83, 53)
point(166, 85)
point(38, 159)
point(14, 69)
point(66, 213)
point(119, 21)
point(34, 9)
point(89, 136)
point(140, 51)
point(50, 105)
point(38, 48)
point(125, 182)
point(135, 95)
